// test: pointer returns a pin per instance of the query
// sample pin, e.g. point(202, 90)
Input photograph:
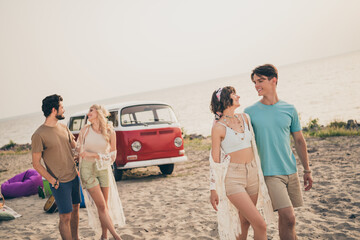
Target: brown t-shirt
point(55, 145)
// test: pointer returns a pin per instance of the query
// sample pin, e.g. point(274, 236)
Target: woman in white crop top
point(97, 151)
point(236, 181)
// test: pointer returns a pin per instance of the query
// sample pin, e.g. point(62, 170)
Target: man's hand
point(214, 199)
point(55, 183)
point(36, 158)
point(308, 181)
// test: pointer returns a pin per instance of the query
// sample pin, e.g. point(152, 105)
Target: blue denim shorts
point(66, 195)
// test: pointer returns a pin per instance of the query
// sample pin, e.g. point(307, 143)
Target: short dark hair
point(225, 100)
point(50, 102)
point(267, 70)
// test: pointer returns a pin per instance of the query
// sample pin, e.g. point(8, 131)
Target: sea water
point(327, 89)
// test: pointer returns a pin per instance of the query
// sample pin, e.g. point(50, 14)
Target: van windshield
point(76, 123)
point(147, 115)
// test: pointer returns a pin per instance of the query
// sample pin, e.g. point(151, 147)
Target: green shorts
point(91, 177)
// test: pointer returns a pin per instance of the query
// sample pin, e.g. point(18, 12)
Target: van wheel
point(117, 173)
point(166, 169)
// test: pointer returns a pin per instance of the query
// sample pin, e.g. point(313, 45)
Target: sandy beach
point(177, 206)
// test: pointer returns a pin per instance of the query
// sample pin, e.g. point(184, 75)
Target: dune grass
point(333, 129)
point(14, 152)
point(14, 149)
point(332, 132)
point(197, 143)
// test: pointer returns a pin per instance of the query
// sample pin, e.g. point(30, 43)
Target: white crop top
point(95, 142)
point(235, 141)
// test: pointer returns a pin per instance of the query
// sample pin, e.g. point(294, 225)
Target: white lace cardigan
point(227, 215)
point(114, 203)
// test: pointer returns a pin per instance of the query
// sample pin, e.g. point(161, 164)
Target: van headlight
point(178, 142)
point(136, 146)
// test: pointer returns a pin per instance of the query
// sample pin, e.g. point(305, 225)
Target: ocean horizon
point(324, 88)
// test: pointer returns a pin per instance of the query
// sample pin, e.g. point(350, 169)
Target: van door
point(114, 117)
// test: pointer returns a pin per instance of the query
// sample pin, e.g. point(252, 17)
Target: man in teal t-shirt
point(274, 121)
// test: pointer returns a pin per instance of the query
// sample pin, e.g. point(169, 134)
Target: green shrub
point(333, 132)
point(313, 124)
point(197, 144)
point(8, 146)
point(337, 124)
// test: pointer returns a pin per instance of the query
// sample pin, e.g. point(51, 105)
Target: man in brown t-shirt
point(53, 142)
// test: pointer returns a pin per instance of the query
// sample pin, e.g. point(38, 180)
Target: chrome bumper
point(153, 162)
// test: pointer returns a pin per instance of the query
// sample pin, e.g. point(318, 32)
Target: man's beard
point(60, 117)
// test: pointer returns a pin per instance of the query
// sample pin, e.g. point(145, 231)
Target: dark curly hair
point(50, 102)
point(225, 100)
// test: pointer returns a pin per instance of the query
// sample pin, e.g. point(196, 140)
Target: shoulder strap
point(250, 125)
point(242, 115)
point(222, 124)
point(86, 132)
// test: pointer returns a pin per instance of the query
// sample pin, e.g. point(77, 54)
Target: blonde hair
point(104, 126)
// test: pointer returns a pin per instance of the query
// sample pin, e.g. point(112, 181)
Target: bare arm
point(73, 143)
point(301, 149)
point(113, 151)
point(216, 135)
point(36, 158)
point(113, 142)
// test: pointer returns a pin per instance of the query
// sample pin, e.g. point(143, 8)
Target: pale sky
point(89, 50)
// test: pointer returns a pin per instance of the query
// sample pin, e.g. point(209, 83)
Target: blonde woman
point(97, 152)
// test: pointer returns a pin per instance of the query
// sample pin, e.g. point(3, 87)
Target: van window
point(147, 114)
point(114, 118)
point(76, 123)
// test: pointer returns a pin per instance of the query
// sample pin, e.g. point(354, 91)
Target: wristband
point(307, 171)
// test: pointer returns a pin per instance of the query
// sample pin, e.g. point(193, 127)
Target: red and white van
point(147, 134)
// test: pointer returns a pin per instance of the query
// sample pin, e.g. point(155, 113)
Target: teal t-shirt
point(272, 127)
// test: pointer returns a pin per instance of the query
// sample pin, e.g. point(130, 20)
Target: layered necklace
point(237, 122)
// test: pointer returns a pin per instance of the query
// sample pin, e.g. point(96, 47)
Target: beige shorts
point(284, 191)
point(242, 177)
point(91, 177)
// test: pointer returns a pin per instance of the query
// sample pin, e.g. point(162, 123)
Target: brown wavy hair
point(225, 100)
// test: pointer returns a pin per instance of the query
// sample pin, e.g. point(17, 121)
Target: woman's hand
point(214, 199)
point(84, 154)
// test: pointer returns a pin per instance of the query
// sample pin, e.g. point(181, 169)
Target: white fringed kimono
point(228, 218)
point(114, 204)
